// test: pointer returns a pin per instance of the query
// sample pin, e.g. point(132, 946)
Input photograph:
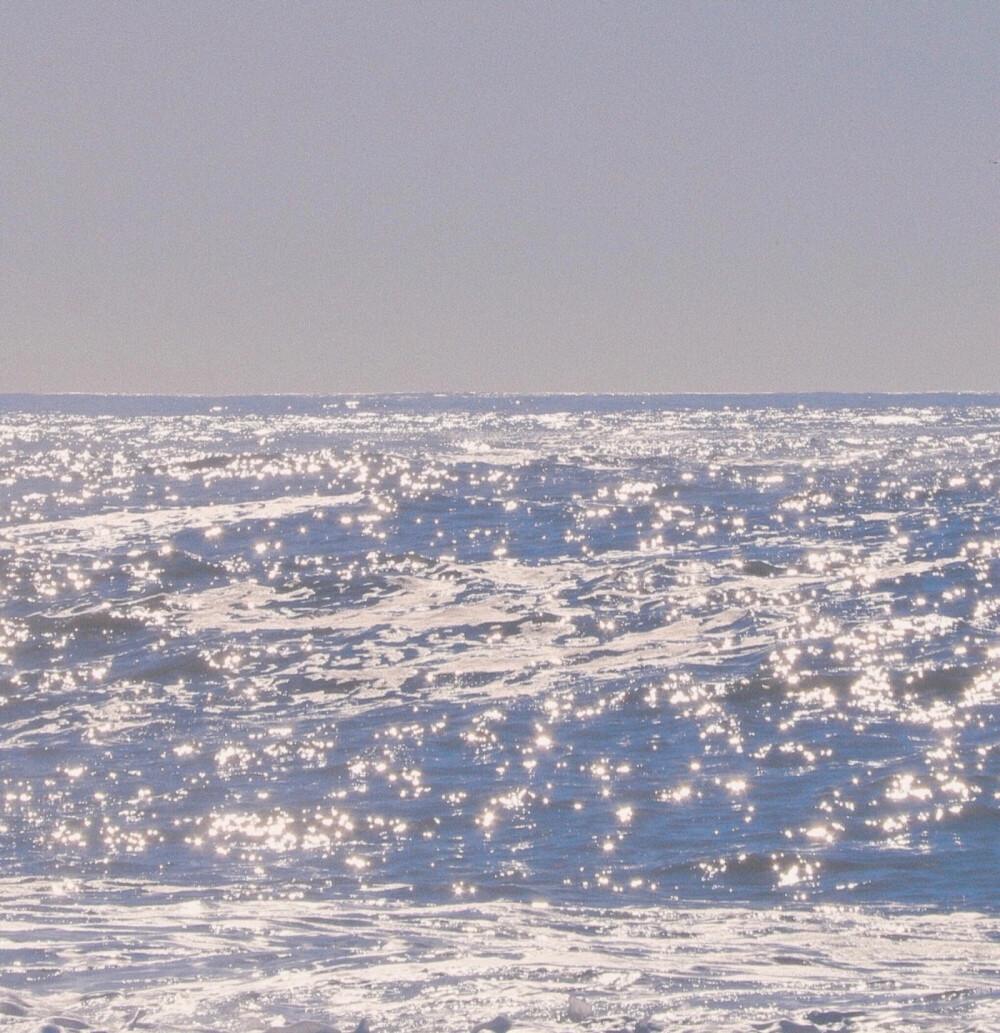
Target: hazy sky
point(239, 197)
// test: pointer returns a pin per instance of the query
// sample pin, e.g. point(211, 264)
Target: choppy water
point(429, 708)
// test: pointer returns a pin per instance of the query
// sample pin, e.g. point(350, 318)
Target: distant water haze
point(200, 198)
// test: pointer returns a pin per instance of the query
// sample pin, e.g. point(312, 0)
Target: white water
point(181, 962)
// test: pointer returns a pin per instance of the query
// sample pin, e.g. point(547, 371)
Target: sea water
point(421, 710)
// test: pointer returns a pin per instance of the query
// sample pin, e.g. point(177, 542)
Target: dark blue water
point(566, 649)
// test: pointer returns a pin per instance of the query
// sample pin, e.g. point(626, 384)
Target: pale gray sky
point(239, 197)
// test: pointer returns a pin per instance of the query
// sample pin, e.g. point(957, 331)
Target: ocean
point(411, 713)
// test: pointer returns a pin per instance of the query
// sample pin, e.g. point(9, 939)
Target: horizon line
point(499, 394)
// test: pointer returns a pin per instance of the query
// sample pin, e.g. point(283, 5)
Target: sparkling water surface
point(429, 708)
